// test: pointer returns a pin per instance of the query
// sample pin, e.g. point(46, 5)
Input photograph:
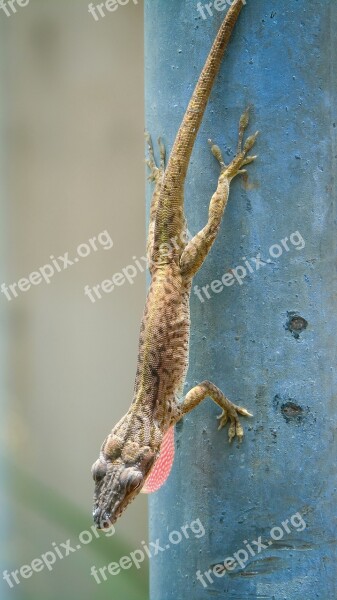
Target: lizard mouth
point(114, 495)
point(105, 518)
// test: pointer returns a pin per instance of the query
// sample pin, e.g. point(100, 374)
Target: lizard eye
point(98, 471)
point(135, 483)
point(131, 480)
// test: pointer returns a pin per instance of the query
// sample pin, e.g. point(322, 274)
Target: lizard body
point(130, 455)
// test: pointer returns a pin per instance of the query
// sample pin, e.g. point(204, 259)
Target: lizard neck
point(141, 426)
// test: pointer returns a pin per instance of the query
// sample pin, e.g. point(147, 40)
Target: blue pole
point(269, 339)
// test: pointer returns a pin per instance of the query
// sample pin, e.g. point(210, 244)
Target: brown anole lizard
point(138, 453)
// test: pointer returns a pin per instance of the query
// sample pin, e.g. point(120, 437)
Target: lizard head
point(119, 475)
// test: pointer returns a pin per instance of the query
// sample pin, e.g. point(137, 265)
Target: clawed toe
point(217, 154)
point(155, 171)
point(231, 413)
point(242, 158)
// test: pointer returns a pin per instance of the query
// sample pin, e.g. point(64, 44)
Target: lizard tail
point(170, 219)
point(190, 125)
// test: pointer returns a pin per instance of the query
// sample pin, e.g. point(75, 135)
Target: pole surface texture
point(264, 511)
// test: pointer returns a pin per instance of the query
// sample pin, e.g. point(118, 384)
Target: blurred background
point(72, 167)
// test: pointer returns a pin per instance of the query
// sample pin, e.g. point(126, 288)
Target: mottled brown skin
point(130, 450)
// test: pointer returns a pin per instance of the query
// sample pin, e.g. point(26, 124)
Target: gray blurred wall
point(75, 167)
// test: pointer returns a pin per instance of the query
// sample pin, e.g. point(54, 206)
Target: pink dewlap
point(163, 465)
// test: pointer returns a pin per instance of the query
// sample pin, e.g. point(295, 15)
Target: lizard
point(138, 453)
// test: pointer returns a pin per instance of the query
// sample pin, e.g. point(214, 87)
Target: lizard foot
point(155, 171)
point(231, 413)
point(242, 157)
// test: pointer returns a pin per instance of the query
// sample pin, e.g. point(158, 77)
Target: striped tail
point(170, 218)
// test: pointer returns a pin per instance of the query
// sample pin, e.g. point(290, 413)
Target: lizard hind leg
point(198, 248)
point(242, 157)
point(155, 171)
point(156, 175)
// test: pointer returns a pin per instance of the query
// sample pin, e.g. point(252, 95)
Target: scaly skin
point(131, 449)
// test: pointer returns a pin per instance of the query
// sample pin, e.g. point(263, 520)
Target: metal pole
point(268, 339)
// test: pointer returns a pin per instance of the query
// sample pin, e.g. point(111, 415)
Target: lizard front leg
point(197, 249)
point(230, 411)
